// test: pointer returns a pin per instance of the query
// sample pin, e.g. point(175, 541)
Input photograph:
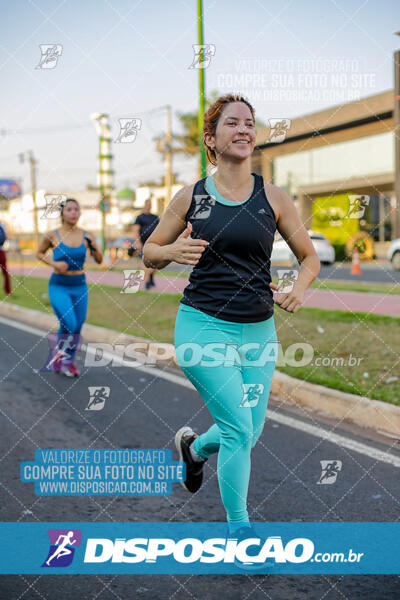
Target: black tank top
point(231, 279)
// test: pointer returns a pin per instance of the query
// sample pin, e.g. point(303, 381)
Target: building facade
point(334, 157)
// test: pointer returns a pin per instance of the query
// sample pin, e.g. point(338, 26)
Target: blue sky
point(129, 57)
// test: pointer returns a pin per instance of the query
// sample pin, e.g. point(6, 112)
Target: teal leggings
point(234, 381)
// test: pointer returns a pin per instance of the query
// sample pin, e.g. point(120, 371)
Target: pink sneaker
point(70, 370)
point(75, 370)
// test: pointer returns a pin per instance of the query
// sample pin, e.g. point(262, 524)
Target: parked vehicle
point(123, 246)
point(323, 247)
point(281, 253)
point(394, 254)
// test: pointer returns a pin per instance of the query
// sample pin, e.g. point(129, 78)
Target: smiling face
point(71, 213)
point(235, 135)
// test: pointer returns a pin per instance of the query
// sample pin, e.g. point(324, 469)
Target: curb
point(361, 410)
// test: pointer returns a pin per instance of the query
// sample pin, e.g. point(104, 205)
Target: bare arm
point(44, 245)
point(94, 250)
point(291, 227)
point(169, 240)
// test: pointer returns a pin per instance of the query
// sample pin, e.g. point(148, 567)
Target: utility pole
point(32, 165)
point(165, 147)
point(203, 163)
point(105, 172)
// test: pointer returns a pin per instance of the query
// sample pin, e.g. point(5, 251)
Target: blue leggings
point(235, 387)
point(68, 296)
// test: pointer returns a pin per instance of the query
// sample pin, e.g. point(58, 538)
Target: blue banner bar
point(192, 548)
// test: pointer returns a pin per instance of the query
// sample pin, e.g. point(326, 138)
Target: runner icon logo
point(202, 55)
point(204, 203)
point(61, 346)
point(330, 470)
point(286, 279)
point(54, 204)
point(62, 547)
point(251, 394)
point(98, 395)
point(49, 55)
point(132, 279)
point(357, 206)
point(128, 129)
point(278, 130)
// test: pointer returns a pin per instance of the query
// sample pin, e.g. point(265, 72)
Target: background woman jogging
point(68, 290)
point(224, 225)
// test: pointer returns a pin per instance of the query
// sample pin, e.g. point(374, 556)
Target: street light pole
point(105, 172)
point(32, 167)
point(32, 164)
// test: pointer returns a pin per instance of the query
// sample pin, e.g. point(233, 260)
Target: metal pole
point(32, 164)
point(102, 206)
point(203, 164)
point(105, 173)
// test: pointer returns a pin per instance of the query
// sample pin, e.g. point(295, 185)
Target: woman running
point(68, 290)
point(224, 225)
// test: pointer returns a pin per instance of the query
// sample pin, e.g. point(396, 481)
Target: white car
point(323, 247)
point(394, 254)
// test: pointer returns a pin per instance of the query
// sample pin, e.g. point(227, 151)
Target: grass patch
point(350, 286)
point(375, 339)
point(371, 341)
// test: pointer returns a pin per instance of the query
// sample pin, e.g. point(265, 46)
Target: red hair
point(212, 116)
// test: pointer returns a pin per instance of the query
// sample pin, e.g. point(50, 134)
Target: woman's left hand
point(92, 246)
point(291, 301)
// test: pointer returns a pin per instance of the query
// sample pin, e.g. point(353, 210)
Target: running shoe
point(243, 533)
point(75, 370)
point(69, 370)
point(194, 469)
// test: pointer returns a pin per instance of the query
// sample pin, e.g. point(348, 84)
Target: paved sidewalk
point(379, 304)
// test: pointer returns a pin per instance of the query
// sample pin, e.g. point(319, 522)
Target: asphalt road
point(374, 273)
point(44, 410)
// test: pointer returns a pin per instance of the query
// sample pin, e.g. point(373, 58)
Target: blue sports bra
point(74, 256)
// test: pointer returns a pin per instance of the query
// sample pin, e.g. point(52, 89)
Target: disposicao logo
point(62, 547)
point(190, 550)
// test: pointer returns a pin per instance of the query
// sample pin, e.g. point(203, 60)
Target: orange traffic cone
point(355, 263)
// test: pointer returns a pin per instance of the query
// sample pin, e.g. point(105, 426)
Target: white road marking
point(313, 430)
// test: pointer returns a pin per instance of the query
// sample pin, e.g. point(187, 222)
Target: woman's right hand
point(187, 251)
point(60, 266)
